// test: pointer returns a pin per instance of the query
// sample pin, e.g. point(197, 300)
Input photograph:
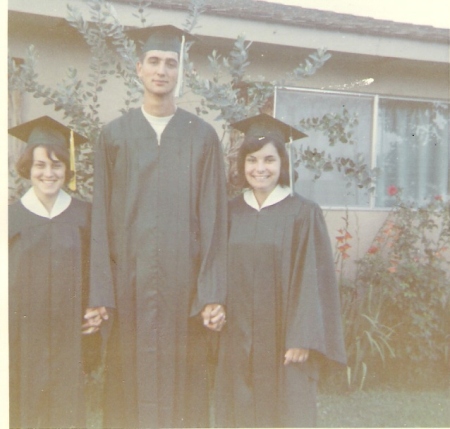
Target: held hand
point(94, 317)
point(214, 317)
point(296, 356)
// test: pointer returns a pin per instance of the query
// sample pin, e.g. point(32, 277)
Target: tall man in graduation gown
point(158, 249)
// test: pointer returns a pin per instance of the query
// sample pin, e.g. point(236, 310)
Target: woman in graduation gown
point(283, 306)
point(48, 264)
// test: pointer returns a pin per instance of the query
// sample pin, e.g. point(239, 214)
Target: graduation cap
point(160, 38)
point(266, 126)
point(164, 38)
point(46, 130)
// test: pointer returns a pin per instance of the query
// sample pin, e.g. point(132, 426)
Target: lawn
point(376, 408)
point(384, 408)
point(380, 405)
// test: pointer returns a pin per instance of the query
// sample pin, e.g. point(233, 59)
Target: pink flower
point(438, 197)
point(341, 238)
point(373, 249)
point(344, 247)
point(392, 190)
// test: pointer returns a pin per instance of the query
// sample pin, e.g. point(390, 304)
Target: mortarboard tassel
point(178, 91)
point(291, 167)
point(73, 181)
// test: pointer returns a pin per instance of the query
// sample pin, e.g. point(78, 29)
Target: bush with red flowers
point(397, 309)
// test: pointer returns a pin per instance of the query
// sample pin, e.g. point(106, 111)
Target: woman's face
point(47, 175)
point(262, 169)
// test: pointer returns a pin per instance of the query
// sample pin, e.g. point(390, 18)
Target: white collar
point(158, 124)
point(32, 203)
point(278, 194)
point(157, 119)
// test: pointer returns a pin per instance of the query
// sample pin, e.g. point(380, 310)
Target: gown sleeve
point(212, 212)
point(313, 315)
point(101, 285)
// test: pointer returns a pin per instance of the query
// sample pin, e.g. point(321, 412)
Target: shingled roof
point(263, 11)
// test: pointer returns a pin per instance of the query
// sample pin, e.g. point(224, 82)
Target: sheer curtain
point(412, 150)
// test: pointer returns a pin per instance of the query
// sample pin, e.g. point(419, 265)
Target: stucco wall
point(362, 226)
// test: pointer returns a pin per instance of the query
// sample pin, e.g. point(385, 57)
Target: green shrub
point(396, 309)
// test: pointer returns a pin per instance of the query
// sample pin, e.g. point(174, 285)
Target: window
point(412, 150)
point(406, 140)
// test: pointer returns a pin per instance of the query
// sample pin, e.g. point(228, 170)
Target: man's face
point(159, 72)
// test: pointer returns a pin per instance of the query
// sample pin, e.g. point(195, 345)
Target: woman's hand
point(213, 316)
point(94, 317)
point(296, 356)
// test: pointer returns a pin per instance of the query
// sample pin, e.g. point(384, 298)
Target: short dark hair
point(25, 162)
point(253, 144)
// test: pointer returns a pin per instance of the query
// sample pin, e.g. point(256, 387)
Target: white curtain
point(412, 150)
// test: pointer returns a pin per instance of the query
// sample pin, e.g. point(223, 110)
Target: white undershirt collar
point(158, 123)
point(32, 203)
point(278, 194)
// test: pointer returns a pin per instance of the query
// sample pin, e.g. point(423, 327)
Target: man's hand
point(94, 317)
point(214, 317)
point(296, 356)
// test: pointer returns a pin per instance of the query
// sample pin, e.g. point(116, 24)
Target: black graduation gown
point(158, 256)
point(48, 273)
point(282, 294)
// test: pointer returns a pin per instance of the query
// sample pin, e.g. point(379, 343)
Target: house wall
point(391, 76)
point(427, 77)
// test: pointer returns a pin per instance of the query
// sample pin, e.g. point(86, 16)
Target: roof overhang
point(306, 28)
